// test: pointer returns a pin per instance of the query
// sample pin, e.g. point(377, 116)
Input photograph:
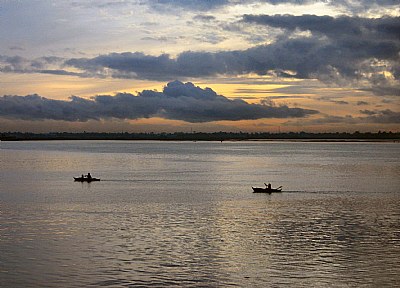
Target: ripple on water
point(176, 221)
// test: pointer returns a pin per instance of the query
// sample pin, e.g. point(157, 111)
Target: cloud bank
point(207, 5)
point(386, 116)
point(381, 116)
point(178, 101)
point(349, 51)
point(362, 53)
point(340, 49)
point(356, 52)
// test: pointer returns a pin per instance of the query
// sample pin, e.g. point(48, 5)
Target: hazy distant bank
point(199, 136)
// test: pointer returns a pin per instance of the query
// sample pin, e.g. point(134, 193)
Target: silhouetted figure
point(89, 176)
point(269, 186)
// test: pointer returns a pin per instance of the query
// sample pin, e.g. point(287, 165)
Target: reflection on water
point(177, 221)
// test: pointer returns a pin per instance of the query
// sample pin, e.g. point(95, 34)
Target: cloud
point(381, 116)
point(210, 38)
point(308, 57)
point(207, 5)
point(387, 101)
point(157, 39)
point(330, 119)
point(16, 48)
point(196, 5)
point(42, 65)
point(18, 64)
point(359, 103)
point(347, 51)
point(345, 63)
point(329, 99)
point(363, 5)
point(128, 65)
point(204, 18)
point(178, 101)
point(371, 117)
point(380, 90)
point(334, 28)
point(340, 102)
point(288, 97)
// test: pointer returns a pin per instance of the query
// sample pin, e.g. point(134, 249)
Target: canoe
point(85, 179)
point(266, 190)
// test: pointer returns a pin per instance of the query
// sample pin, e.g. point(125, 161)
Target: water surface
point(183, 214)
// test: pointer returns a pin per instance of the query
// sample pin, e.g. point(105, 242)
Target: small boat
point(267, 189)
point(86, 179)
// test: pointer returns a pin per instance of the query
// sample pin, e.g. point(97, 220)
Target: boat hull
point(80, 179)
point(266, 190)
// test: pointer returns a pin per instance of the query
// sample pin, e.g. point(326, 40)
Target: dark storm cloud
point(178, 101)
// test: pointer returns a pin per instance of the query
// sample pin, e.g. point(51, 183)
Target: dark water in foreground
point(182, 214)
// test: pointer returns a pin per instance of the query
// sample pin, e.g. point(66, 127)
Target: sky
point(199, 65)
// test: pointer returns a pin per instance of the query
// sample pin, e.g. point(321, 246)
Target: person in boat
point(268, 186)
point(89, 176)
point(82, 176)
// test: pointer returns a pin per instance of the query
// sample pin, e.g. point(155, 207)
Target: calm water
point(183, 214)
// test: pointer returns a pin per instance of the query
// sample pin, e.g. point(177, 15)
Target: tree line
point(201, 136)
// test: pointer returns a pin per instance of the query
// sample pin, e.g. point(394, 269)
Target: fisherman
point(269, 186)
point(89, 176)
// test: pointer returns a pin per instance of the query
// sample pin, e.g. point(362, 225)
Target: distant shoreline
point(231, 140)
point(325, 140)
point(216, 136)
